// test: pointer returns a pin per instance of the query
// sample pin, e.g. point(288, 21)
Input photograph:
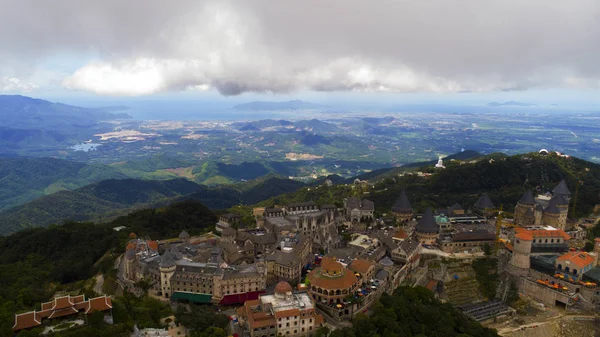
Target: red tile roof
point(287, 313)
point(580, 259)
point(26, 320)
point(361, 266)
point(400, 234)
point(99, 304)
point(542, 233)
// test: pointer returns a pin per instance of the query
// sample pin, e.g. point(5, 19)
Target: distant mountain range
point(272, 106)
point(511, 103)
point(30, 113)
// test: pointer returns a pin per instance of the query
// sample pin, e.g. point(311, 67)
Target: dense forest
point(412, 312)
point(504, 178)
point(37, 263)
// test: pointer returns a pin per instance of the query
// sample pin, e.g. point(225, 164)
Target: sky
point(423, 50)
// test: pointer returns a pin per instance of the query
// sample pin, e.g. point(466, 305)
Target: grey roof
point(328, 206)
point(561, 188)
point(455, 207)
point(402, 204)
point(559, 199)
point(228, 231)
point(263, 239)
point(184, 235)
point(484, 202)
point(552, 208)
point(386, 262)
point(175, 253)
point(382, 275)
point(356, 203)
point(130, 254)
point(166, 260)
point(527, 198)
point(367, 205)
point(284, 258)
point(427, 223)
point(231, 216)
point(409, 246)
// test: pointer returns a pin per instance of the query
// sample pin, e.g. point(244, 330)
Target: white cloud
point(283, 46)
point(12, 84)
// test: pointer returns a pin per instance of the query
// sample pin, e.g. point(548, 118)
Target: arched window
point(560, 267)
point(575, 271)
point(567, 269)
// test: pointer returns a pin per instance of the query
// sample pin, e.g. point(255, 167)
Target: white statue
point(440, 163)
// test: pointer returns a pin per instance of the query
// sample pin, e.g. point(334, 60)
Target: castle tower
point(427, 230)
point(166, 268)
point(562, 189)
point(129, 261)
point(524, 210)
point(402, 208)
point(555, 215)
point(519, 262)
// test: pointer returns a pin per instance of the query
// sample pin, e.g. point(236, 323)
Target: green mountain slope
point(104, 199)
point(110, 198)
point(504, 178)
point(24, 179)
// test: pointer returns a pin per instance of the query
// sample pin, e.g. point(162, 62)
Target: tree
point(322, 331)
point(513, 293)
point(96, 319)
point(487, 249)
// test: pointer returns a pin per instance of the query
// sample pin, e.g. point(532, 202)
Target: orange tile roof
point(361, 266)
point(62, 302)
point(260, 319)
point(580, 259)
point(47, 305)
point(26, 320)
point(330, 264)
point(400, 234)
point(153, 245)
point(343, 280)
point(509, 246)
point(524, 236)
point(431, 284)
point(63, 312)
point(99, 304)
point(287, 313)
point(543, 233)
point(319, 319)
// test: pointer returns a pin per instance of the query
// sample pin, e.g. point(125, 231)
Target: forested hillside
point(36, 263)
point(24, 179)
point(413, 312)
point(504, 178)
point(105, 200)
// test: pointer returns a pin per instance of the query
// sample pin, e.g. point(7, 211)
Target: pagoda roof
point(427, 223)
point(561, 188)
point(484, 202)
point(527, 198)
point(402, 204)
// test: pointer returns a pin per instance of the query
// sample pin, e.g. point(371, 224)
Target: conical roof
point(386, 262)
point(560, 199)
point(166, 261)
point(427, 223)
point(184, 235)
point(484, 202)
point(402, 204)
point(527, 198)
point(552, 207)
point(561, 188)
point(175, 253)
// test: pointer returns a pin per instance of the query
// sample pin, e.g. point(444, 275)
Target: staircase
point(462, 291)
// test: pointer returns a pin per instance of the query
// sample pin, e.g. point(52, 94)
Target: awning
point(192, 297)
point(240, 298)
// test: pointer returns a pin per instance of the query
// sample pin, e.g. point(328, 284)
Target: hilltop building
point(283, 313)
point(402, 209)
point(548, 209)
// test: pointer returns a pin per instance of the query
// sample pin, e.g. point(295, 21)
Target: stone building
point(331, 282)
point(427, 230)
point(173, 276)
point(546, 209)
point(466, 241)
point(284, 313)
point(402, 209)
point(359, 211)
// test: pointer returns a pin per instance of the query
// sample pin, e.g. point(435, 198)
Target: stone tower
point(525, 210)
point(402, 208)
point(166, 268)
point(519, 262)
point(427, 230)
